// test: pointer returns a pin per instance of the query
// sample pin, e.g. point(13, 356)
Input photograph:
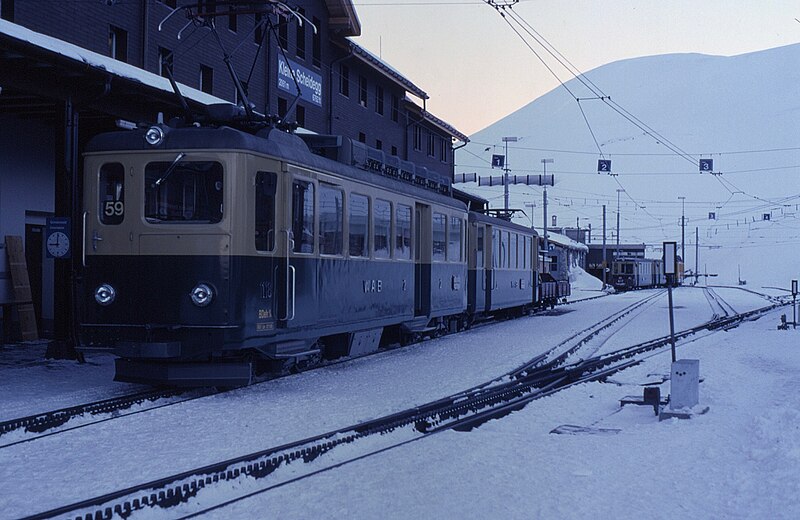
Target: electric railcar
point(637, 273)
point(211, 254)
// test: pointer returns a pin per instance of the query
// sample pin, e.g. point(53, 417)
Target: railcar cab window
point(303, 216)
point(183, 192)
point(439, 237)
point(112, 194)
point(266, 184)
point(382, 228)
point(454, 240)
point(402, 232)
point(331, 220)
point(359, 225)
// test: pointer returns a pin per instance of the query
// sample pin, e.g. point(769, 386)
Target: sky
point(476, 70)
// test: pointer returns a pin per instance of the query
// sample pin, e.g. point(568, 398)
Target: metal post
point(683, 226)
point(605, 262)
point(545, 162)
point(506, 140)
point(505, 177)
point(696, 252)
point(618, 192)
point(671, 317)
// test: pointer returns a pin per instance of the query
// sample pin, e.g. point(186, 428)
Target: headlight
point(202, 295)
point(105, 294)
point(154, 136)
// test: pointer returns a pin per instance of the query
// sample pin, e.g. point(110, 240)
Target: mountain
point(743, 112)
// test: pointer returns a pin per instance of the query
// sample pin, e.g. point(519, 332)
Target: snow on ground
point(511, 468)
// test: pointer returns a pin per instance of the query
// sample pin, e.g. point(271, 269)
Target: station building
point(74, 69)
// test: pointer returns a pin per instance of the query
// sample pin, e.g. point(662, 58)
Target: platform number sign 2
point(706, 165)
point(603, 166)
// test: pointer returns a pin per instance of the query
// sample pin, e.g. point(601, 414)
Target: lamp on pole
point(506, 140)
point(545, 162)
point(531, 205)
point(683, 227)
point(619, 190)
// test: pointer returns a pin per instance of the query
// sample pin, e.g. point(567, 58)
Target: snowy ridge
point(742, 111)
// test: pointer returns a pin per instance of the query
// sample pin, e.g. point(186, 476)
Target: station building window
point(379, 99)
point(362, 137)
point(206, 79)
point(344, 80)
point(233, 19)
point(259, 33)
point(300, 50)
point(316, 43)
point(378, 144)
point(394, 150)
point(417, 138)
point(443, 150)
point(7, 10)
point(118, 43)
point(283, 32)
point(165, 62)
point(431, 144)
point(358, 214)
point(395, 108)
point(300, 115)
point(362, 91)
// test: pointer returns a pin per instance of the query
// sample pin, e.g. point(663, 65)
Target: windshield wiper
point(170, 169)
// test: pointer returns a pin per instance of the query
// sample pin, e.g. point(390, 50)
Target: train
point(630, 273)
point(213, 254)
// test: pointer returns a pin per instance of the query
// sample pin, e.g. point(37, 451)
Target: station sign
point(498, 161)
point(310, 82)
point(706, 165)
point(603, 166)
point(670, 258)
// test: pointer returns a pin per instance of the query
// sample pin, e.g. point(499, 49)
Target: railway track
point(541, 376)
point(45, 421)
point(50, 422)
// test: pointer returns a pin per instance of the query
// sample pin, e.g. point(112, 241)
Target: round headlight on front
point(154, 136)
point(105, 294)
point(202, 295)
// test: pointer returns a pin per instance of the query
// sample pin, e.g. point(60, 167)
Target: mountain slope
point(742, 111)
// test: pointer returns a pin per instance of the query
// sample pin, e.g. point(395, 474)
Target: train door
point(480, 267)
point(296, 271)
point(422, 260)
point(108, 224)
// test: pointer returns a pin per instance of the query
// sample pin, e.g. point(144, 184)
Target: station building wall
point(27, 196)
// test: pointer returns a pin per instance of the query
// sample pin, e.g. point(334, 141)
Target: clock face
point(58, 244)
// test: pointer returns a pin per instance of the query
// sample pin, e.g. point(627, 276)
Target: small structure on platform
point(684, 399)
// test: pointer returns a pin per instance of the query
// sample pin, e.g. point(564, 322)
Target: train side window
point(402, 232)
point(524, 252)
point(439, 237)
point(112, 194)
point(266, 184)
point(303, 216)
point(495, 249)
point(454, 240)
point(479, 249)
point(382, 227)
point(504, 261)
point(359, 225)
point(331, 220)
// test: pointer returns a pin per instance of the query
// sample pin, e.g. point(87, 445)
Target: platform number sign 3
point(706, 165)
point(603, 166)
